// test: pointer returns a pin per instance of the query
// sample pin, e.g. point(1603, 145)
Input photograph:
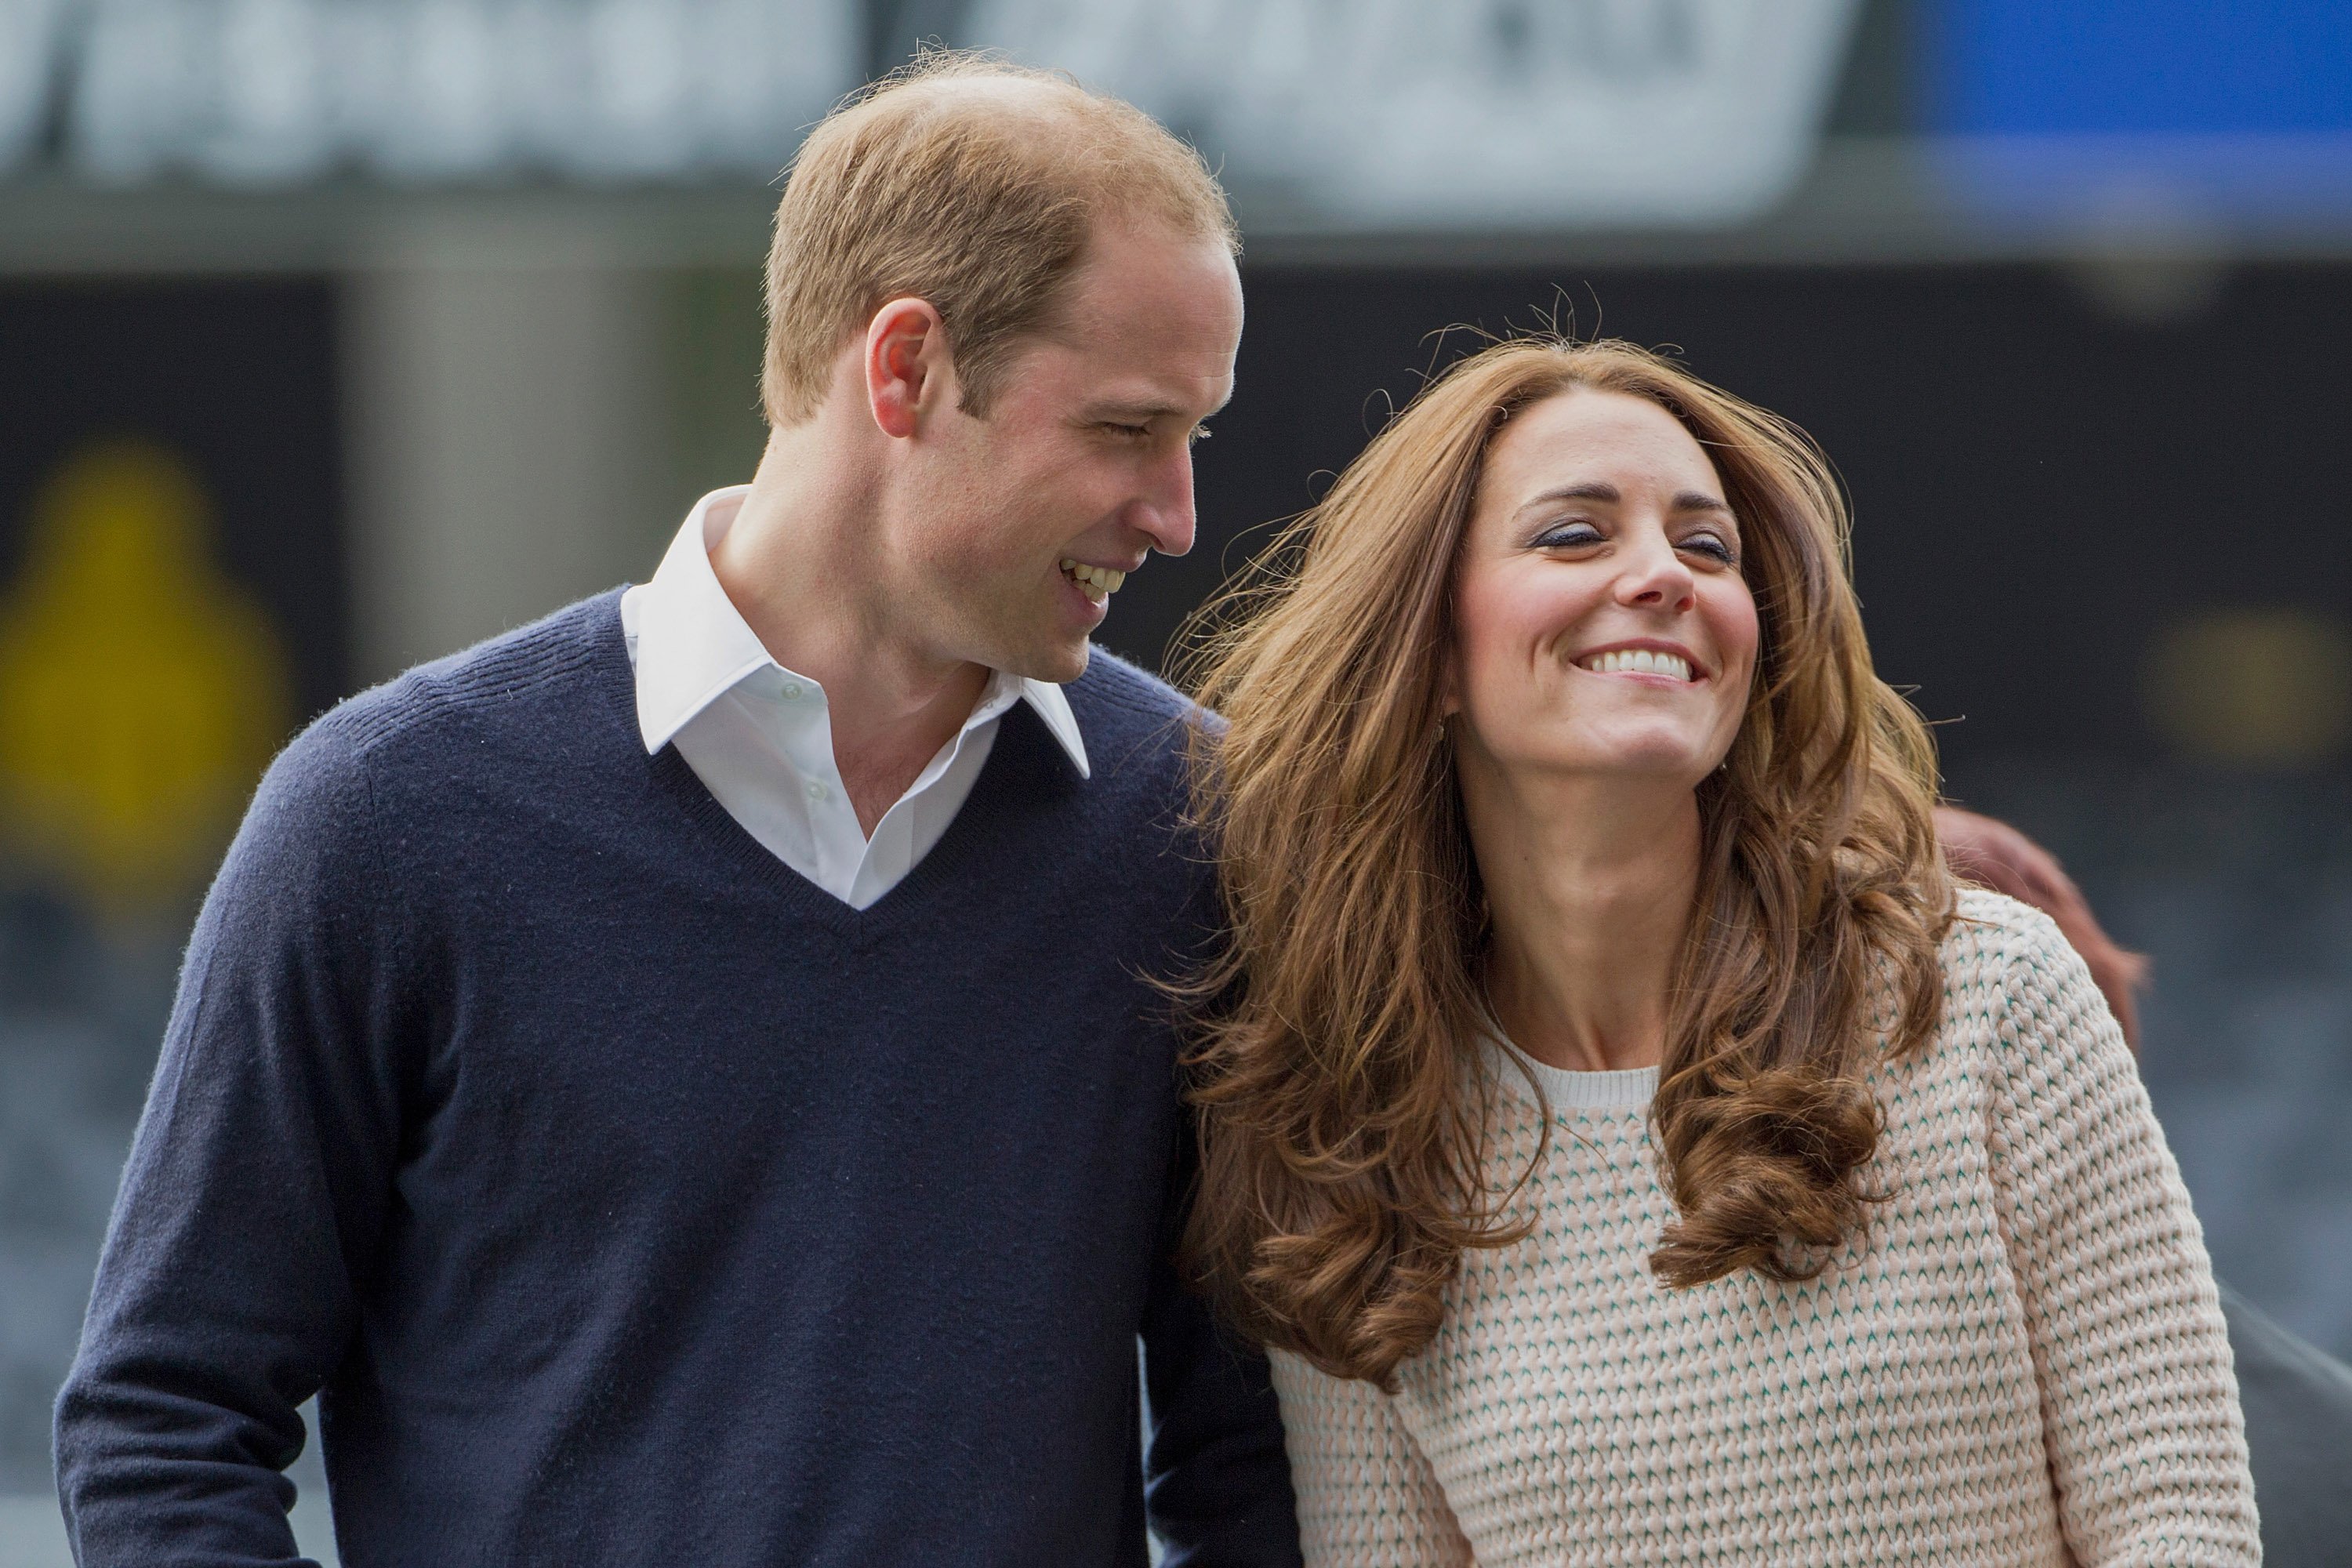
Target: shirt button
point(816, 791)
point(795, 691)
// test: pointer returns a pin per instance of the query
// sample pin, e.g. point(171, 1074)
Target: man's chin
point(1058, 665)
point(1057, 661)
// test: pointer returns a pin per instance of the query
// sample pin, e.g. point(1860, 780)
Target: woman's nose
point(1656, 577)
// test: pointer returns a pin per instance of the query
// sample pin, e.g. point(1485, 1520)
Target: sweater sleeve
point(1367, 1495)
point(1217, 1485)
point(2139, 1405)
point(256, 1186)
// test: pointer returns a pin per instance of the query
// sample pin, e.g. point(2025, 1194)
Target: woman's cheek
point(1737, 631)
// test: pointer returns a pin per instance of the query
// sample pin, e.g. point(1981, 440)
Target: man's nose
point(1166, 513)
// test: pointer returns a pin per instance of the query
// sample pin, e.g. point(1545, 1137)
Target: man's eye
point(1126, 432)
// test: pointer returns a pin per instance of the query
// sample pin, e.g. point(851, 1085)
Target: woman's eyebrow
point(1600, 490)
point(1591, 490)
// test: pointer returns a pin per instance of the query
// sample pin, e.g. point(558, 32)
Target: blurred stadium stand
point(337, 333)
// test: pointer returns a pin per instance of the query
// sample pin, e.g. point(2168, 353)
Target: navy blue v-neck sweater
point(628, 1199)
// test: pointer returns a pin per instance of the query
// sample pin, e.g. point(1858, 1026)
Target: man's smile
point(1097, 582)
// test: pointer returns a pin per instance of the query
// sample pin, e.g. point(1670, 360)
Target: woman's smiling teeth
point(1097, 582)
point(1637, 661)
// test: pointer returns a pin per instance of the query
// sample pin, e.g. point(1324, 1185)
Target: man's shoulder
point(549, 675)
point(1124, 710)
point(524, 716)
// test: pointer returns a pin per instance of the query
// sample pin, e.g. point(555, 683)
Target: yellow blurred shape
point(142, 692)
point(2263, 687)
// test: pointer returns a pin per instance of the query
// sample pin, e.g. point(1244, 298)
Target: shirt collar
point(693, 646)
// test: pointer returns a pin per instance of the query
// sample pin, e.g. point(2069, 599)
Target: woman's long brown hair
point(1341, 1102)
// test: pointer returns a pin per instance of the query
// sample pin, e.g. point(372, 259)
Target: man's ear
point(908, 372)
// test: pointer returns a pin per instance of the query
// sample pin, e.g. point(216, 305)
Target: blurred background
point(335, 334)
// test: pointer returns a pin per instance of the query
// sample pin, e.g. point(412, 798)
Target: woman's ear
point(1449, 685)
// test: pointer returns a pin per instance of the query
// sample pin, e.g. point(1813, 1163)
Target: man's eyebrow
point(1135, 412)
point(1145, 412)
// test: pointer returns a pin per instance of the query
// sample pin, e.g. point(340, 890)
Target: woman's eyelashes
point(1714, 546)
point(1705, 542)
point(1567, 536)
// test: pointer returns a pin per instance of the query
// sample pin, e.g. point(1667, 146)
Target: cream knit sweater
point(2021, 1357)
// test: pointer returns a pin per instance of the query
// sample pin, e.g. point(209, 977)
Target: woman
point(1630, 1146)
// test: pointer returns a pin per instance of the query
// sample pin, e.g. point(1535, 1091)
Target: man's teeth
point(1097, 582)
point(1638, 661)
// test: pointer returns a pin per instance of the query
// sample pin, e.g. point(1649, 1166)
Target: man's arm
point(255, 1190)
point(1217, 1482)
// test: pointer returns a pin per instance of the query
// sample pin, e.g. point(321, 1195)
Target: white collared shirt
point(760, 737)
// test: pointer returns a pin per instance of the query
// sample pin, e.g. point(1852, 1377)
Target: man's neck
point(797, 563)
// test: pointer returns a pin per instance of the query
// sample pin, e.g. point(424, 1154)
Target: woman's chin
point(1666, 761)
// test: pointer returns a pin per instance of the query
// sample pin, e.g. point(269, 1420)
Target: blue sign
point(2223, 107)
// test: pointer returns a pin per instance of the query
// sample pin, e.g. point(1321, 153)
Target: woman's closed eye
point(1705, 543)
point(1713, 546)
point(1567, 536)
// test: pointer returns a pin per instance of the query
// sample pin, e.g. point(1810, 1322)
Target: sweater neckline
point(1546, 1087)
point(672, 777)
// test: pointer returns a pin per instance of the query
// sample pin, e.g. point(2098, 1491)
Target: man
point(681, 1082)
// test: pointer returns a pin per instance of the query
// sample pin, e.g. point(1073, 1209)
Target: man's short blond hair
point(972, 184)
